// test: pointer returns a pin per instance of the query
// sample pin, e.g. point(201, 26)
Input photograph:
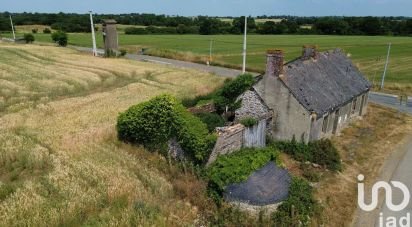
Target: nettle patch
point(321, 152)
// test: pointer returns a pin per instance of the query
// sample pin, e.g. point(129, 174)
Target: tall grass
point(60, 161)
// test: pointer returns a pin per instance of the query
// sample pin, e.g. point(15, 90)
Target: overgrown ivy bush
point(192, 134)
point(154, 122)
point(321, 152)
point(237, 167)
point(149, 122)
point(297, 209)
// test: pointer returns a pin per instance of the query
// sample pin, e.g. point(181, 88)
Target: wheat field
point(60, 160)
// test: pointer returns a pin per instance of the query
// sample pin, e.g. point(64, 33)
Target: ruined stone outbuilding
point(310, 98)
point(110, 38)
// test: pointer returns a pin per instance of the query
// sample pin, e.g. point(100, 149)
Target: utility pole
point(93, 35)
point(12, 28)
point(244, 47)
point(386, 66)
point(210, 51)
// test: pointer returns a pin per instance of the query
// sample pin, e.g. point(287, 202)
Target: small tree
point(34, 30)
point(29, 38)
point(46, 31)
point(60, 38)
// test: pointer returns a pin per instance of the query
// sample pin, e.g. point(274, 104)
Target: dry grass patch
point(363, 147)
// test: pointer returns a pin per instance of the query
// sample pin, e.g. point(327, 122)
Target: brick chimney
point(274, 65)
point(309, 52)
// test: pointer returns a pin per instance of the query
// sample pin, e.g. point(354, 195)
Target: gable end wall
point(290, 119)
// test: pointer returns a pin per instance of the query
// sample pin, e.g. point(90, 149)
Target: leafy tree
point(332, 26)
point(60, 38)
point(210, 26)
point(46, 31)
point(29, 38)
point(372, 26)
point(239, 24)
point(269, 27)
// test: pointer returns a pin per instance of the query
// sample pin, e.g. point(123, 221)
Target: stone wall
point(290, 119)
point(175, 150)
point(229, 139)
point(207, 108)
point(252, 106)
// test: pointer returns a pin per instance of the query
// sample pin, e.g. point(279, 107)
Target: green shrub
point(28, 38)
point(237, 167)
point(321, 152)
point(248, 121)
point(46, 31)
point(212, 120)
point(325, 154)
point(154, 122)
point(149, 122)
point(297, 209)
point(34, 30)
point(231, 90)
point(236, 87)
point(60, 38)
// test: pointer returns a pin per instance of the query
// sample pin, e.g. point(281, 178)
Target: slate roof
point(268, 185)
point(324, 84)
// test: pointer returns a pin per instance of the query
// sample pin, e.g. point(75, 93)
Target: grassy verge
point(363, 147)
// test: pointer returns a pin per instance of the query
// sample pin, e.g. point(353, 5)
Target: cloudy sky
point(219, 7)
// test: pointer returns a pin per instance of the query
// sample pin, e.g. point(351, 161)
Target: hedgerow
point(237, 167)
point(154, 122)
point(321, 152)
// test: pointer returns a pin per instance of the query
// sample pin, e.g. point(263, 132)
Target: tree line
point(163, 24)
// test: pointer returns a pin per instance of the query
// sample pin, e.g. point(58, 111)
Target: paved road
point(396, 168)
point(391, 101)
point(221, 71)
point(379, 98)
point(403, 173)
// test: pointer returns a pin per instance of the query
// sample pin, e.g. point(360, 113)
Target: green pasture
point(369, 53)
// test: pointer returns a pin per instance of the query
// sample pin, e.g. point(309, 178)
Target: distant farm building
point(310, 98)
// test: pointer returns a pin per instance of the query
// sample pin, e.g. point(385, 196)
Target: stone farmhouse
point(310, 98)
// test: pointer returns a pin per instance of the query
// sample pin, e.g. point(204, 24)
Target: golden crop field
point(60, 160)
